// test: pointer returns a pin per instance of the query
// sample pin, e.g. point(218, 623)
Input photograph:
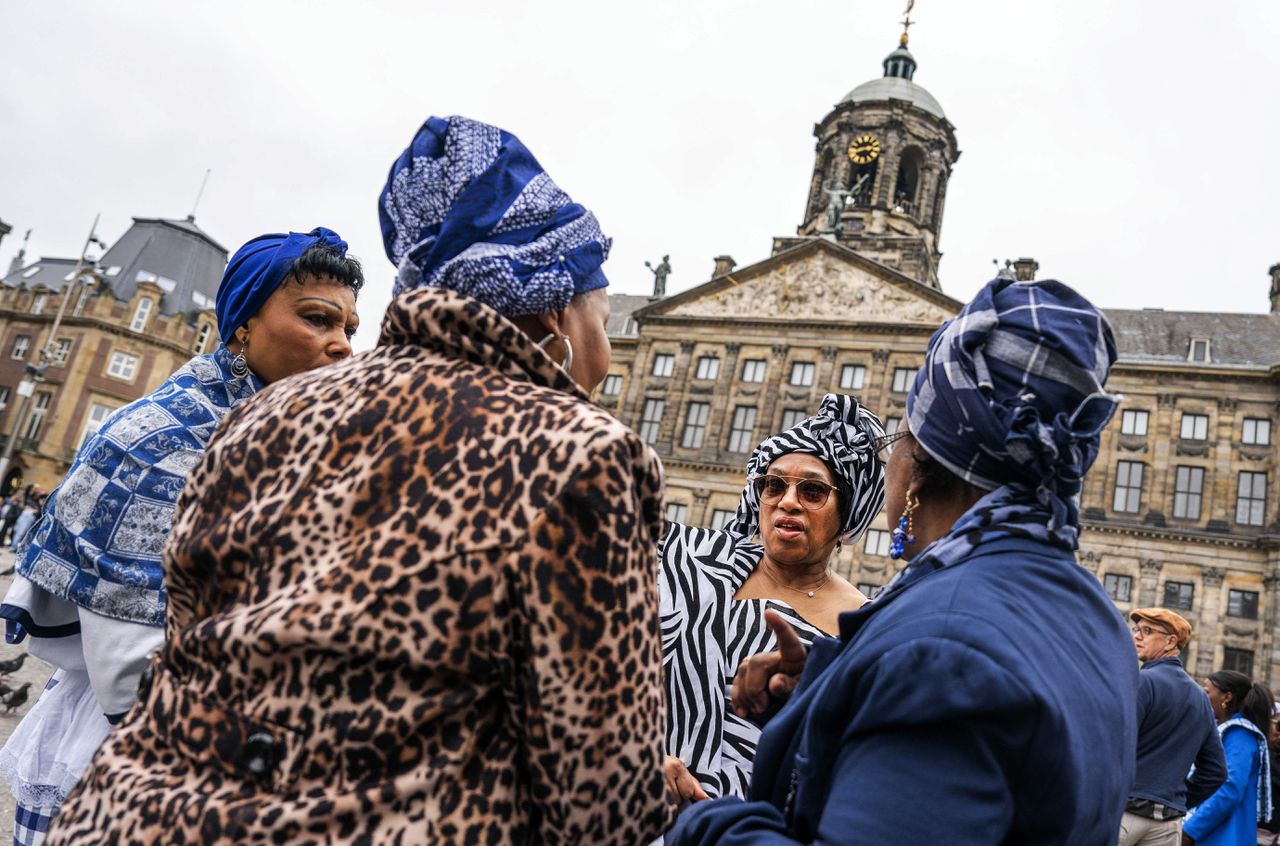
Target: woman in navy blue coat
point(987, 695)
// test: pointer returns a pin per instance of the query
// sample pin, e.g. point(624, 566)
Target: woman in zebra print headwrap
point(809, 490)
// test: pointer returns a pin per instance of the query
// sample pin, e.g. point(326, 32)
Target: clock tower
point(884, 155)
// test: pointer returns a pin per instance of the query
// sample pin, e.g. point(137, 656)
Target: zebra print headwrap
point(840, 434)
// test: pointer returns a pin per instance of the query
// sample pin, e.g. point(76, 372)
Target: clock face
point(864, 149)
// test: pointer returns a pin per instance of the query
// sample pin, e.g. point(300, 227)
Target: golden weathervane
point(907, 23)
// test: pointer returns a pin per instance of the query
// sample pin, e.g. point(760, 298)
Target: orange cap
point(1175, 623)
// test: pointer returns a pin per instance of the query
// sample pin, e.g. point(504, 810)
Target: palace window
point(1242, 603)
point(695, 425)
point(202, 339)
point(1256, 431)
point(664, 364)
point(612, 385)
point(1251, 499)
point(651, 420)
point(869, 589)
point(1198, 350)
point(753, 370)
point(1128, 491)
point(852, 377)
point(140, 315)
point(1118, 586)
point(1240, 660)
point(902, 377)
point(4, 398)
point(123, 366)
point(1195, 427)
point(98, 414)
point(1188, 489)
point(1179, 595)
point(877, 542)
point(791, 417)
point(907, 185)
point(708, 367)
point(1134, 422)
point(721, 518)
point(21, 344)
point(677, 512)
point(742, 433)
point(38, 412)
point(37, 305)
point(892, 424)
point(81, 298)
point(61, 350)
point(802, 374)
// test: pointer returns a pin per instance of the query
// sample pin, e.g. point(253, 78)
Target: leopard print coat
point(412, 599)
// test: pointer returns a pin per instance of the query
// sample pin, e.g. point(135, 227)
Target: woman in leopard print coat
point(411, 600)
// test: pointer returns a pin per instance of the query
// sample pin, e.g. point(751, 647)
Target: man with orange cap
point(1176, 728)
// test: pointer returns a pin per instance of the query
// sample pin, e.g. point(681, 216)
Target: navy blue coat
point(993, 701)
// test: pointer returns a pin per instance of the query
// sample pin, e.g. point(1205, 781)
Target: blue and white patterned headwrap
point(1011, 394)
point(467, 207)
point(840, 434)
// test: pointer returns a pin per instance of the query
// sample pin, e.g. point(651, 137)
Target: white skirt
point(52, 746)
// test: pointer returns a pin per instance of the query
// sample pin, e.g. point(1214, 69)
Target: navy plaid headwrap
point(1011, 394)
point(467, 207)
point(840, 434)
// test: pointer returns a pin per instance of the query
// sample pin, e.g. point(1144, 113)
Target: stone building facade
point(1179, 508)
point(127, 324)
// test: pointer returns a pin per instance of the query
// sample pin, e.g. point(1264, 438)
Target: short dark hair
point(1252, 701)
point(324, 261)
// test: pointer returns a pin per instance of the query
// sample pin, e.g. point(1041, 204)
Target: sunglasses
point(810, 493)
point(885, 443)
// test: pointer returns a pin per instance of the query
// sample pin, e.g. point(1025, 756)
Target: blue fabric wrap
point(257, 269)
point(467, 207)
point(840, 434)
point(99, 543)
point(1011, 395)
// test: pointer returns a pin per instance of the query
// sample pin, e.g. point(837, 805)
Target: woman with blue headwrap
point(988, 693)
point(445, 627)
point(90, 590)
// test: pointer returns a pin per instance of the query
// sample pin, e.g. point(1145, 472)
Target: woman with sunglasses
point(989, 693)
point(808, 490)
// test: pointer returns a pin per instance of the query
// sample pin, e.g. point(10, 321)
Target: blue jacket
point(1176, 728)
point(992, 701)
point(1230, 816)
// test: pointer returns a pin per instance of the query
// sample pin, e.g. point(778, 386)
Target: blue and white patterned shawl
point(1265, 808)
point(99, 542)
point(467, 207)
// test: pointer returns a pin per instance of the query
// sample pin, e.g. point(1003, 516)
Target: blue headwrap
point(467, 207)
point(258, 268)
point(840, 434)
point(1011, 394)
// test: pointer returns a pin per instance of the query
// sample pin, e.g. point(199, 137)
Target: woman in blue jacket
point(987, 695)
point(1231, 815)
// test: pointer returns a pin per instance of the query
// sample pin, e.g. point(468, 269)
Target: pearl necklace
point(805, 591)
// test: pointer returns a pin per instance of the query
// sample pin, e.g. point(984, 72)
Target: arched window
point(140, 315)
point(906, 188)
point(862, 183)
point(939, 196)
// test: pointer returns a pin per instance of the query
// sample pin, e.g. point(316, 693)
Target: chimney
point(1274, 270)
point(1024, 269)
point(725, 264)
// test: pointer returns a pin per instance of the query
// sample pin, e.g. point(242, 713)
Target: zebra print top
point(705, 635)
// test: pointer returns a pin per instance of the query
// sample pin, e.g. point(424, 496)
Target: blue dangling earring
point(240, 367)
point(905, 532)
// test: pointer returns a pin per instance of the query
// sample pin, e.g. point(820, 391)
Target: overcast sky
point(1130, 147)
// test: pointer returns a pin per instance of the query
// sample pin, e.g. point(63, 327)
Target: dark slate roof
point(621, 307)
point(175, 254)
point(1154, 336)
point(49, 272)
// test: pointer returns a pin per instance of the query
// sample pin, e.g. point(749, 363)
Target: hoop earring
point(568, 349)
point(905, 532)
point(240, 367)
